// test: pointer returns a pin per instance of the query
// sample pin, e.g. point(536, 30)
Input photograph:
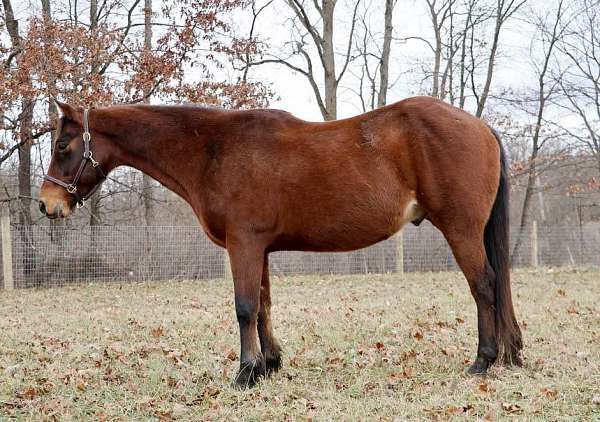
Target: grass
point(356, 348)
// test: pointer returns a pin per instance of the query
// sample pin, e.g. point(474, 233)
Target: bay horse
point(262, 180)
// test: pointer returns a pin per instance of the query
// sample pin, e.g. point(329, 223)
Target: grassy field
point(356, 348)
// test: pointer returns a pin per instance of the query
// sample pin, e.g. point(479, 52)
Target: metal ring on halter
point(71, 188)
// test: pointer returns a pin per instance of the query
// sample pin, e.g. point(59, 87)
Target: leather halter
point(87, 157)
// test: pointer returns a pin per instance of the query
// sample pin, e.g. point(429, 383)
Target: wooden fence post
point(400, 252)
point(7, 264)
point(534, 244)
point(226, 266)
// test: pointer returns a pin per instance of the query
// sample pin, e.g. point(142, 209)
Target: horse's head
point(79, 159)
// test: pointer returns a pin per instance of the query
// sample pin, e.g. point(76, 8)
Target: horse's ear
point(68, 111)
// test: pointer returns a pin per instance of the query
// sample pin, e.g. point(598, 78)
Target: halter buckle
point(71, 188)
point(80, 204)
point(87, 137)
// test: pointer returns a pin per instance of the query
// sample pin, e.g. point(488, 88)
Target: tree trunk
point(437, 55)
point(385, 54)
point(94, 200)
point(329, 61)
point(147, 188)
point(24, 167)
point(46, 9)
point(490, 70)
point(24, 172)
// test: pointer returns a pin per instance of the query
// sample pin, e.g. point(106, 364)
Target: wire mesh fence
point(46, 256)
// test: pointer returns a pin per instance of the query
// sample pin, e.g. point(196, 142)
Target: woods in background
point(530, 68)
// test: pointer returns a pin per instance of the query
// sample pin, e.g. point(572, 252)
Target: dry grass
point(356, 348)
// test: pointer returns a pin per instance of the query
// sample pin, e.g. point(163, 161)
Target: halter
point(87, 157)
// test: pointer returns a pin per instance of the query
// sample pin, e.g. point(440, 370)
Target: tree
point(549, 30)
point(308, 37)
point(504, 10)
point(464, 49)
point(374, 53)
point(580, 78)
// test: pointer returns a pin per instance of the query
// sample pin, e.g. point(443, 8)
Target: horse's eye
point(62, 146)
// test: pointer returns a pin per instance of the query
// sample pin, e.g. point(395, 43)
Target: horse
point(263, 180)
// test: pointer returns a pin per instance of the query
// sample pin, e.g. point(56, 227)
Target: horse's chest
point(213, 224)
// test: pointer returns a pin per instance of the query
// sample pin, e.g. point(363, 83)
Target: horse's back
point(350, 183)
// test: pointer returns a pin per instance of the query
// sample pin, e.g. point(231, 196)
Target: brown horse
point(263, 181)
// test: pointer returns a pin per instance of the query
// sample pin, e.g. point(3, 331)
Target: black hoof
point(479, 367)
point(273, 360)
point(250, 373)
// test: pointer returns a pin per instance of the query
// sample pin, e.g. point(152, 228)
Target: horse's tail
point(496, 239)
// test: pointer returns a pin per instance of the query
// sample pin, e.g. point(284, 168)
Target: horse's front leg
point(247, 259)
point(268, 344)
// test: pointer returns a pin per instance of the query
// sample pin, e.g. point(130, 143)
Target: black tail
point(497, 246)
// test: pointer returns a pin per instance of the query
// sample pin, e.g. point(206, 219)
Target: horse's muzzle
point(57, 211)
point(54, 203)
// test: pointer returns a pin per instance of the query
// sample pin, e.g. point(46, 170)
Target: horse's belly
point(350, 228)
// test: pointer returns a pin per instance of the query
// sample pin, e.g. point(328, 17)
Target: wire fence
point(46, 256)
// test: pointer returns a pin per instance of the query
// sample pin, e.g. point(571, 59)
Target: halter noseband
point(87, 157)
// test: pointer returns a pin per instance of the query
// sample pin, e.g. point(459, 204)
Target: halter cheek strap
point(88, 156)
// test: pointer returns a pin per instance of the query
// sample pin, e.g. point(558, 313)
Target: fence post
point(400, 252)
point(534, 244)
point(7, 264)
point(226, 266)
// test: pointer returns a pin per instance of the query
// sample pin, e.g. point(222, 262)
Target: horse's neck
point(169, 147)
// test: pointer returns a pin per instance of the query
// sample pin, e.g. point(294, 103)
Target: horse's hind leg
point(268, 344)
point(469, 251)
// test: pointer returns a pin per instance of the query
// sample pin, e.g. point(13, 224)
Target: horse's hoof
point(273, 359)
point(479, 367)
point(250, 372)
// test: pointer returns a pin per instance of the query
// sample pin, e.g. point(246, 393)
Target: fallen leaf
point(28, 393)
point(157, 332)
point(81, 385)
point(211, 391)
point(551, 394)
point(484, 387)
point(511, 407)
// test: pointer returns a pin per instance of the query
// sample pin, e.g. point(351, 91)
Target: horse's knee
point(246, 311)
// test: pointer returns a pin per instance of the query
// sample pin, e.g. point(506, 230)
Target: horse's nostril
point(42, 207)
